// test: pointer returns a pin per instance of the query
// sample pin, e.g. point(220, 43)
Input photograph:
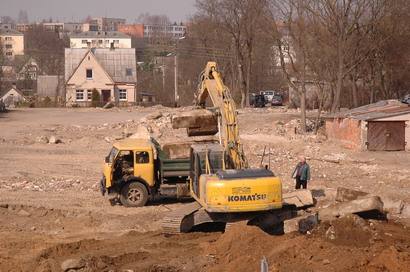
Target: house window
point(100, 41)
point(8, 38)
point(9, 53)
point(79, 95)
point(84, 41)
point(128, 71)
point(123, 95)
point(89, 95)
point(116, 41)
point(9, 46)
point(89, 73)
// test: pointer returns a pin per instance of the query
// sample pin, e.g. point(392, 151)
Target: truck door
point(144, 166)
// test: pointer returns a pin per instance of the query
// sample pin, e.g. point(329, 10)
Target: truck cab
point(137, 169)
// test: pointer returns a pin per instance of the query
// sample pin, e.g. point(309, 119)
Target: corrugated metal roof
point(116, 62)
point(381, 109)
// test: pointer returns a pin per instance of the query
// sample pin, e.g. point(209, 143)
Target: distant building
point(73, 27)
point(112, 73)
point(12, 97)
point(26, 68)
point(133, 30)
point(12, 42)
point(172, 31)
point(5, 26)
point(24, 27)
point(105, 24)
point(100, 39)
point(54, 27)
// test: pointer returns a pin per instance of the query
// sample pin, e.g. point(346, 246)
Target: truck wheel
point(134, 194)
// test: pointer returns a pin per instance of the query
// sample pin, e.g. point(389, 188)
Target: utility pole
point(176, 96)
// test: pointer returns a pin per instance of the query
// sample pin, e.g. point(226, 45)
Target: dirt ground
point(51, 209)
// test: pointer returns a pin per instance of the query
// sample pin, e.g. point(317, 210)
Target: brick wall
point(346, 131)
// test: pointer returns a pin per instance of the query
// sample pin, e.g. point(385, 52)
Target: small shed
point(12, 97)
point(146, 98)
point(382, 126)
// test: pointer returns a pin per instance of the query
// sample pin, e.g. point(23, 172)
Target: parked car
point(269, 94)
point(406, 99)
point(277, 100)
point(257, 100)
point(260, 101)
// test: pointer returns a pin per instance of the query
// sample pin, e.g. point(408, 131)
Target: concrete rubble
point(72, 264)
point(366, 204)
point(301, 224)
point(345, 194)
point(299, 198)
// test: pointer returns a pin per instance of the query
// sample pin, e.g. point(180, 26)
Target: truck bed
point(174, 167)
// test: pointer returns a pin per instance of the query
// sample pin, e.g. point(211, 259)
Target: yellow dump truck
point(137, 169)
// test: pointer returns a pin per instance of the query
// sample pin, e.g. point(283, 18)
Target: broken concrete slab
point(72, 264)
point(194, 119)
point(393, 207)
point(405, 213)
point(299, 198)
point(367, 204)
point(301, 224)
point(345, 194)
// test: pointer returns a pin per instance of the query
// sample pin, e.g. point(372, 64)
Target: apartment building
point(12, 42)
point(100, 39)
point(173, 31)
point(105, 24)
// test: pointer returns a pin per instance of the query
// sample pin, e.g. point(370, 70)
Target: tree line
point(354, 51)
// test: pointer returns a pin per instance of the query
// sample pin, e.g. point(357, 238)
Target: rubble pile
point(50, 184)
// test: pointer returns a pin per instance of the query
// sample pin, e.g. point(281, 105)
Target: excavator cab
point(223, 190)
point(206, 159)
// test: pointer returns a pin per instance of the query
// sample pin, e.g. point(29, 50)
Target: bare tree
point(22, 17)
point(239, 20)
point(1, 65)
point(288, 19)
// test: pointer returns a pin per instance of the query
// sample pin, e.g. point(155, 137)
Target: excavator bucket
point(199, 122)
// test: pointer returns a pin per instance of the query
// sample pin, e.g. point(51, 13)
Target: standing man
point(301, 173)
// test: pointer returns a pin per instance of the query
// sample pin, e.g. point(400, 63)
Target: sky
point(75, 10)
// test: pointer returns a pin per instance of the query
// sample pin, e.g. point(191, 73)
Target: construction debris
point(362, 205)
point(345, 194)
point(302, 224)
point(299, 198)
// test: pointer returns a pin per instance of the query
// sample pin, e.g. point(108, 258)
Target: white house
point(12, 97)
point(100, 39)
point(110, 72)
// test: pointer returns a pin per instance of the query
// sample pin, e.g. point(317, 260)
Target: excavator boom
point(224, 119)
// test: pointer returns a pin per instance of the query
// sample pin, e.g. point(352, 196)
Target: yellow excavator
point(225, 189)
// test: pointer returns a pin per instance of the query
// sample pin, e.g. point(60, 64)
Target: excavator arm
point(211, 86)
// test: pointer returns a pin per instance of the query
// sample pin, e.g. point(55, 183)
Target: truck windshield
point(112, 155)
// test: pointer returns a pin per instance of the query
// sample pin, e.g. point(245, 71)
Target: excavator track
point(178, 221)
